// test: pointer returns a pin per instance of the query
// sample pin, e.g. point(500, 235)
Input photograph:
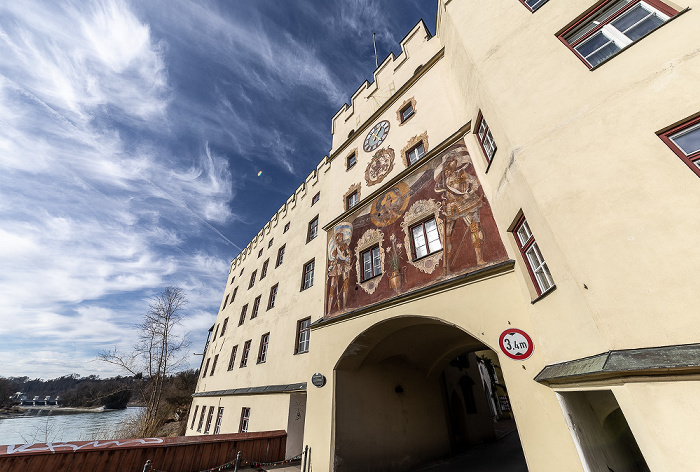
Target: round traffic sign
point(516, 344)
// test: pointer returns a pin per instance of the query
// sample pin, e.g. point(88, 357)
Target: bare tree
point(159, 351)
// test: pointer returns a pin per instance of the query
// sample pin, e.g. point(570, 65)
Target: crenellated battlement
point(285, 211)
point(390, 76)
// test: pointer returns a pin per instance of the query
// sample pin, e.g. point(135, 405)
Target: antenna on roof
point(376, 60)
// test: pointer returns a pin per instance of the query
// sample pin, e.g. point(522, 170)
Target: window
point(303, 334)
point(406, 112)
point(219, 416)
point(246, 353)
point(613, 26)
point(351, 200)
point(286, 227)
point(201, 418)
point(262, 354)
point(316, 198)
point(224, 326)
point(426, 238)
point(215, 332)
point(533, 5)
point(351, 160)
point(243, 312)
point(245, 418)
point(416, 153)
point(483, 133)
point(210, 416)
point(194, 417)
point(225, 302)
point(313, 229)
point(260, 252)
point(269, 244)
point(206, 368)
point(371, 263)
point(232, 359)
point(307, 279)
point(233, 295)
point(536, 266)
point(213, 365)
point(241, 271)
point(280, 256)
point(256, 307)
point(273, 297)
point(263, 271)
point(232, 279)
point(252, 279)
point(684, 140)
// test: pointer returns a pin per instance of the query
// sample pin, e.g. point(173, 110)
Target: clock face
point(376, 136)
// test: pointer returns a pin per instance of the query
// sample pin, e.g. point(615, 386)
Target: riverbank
point(16, 411)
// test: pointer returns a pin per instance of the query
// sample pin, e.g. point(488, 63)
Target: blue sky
point(131, 139)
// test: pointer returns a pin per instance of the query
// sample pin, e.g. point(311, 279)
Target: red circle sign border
point(527, 354)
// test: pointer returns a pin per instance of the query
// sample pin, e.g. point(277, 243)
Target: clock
point(376, 136)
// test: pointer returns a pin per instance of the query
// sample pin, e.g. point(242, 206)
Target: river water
point(76, 427)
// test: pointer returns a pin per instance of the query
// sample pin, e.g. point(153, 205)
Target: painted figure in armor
point(461, 198)
point(339, 265)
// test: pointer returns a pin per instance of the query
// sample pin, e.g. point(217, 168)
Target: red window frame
point(523, 253)
point(425, 236)
point(224, 326)
point(309, 268)
point(479, 120)
point(692, 160)
point(273, 296)
point(303, 326)
point(264, 344)
point(245, 420)
point(244, 310)
point(256, 307)
point(280, 256)
point(246, 353)
point(372, 266)
point(232, 359)
point(583, 18)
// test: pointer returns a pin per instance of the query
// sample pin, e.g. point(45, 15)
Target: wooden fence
point(178, 454)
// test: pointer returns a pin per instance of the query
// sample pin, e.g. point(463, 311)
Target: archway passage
point(413, 390)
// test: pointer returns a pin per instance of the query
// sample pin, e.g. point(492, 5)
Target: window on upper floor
point(270, 242)
point(225, 301)
point(425, 238)
point(315, 199)
point(351, 160)
point(371, 263)
point(213, 365)
point(260, 252)
point(530, 251)
point(233, 295)
point(485, 138)
point(612, 26)
point(241, 272)
point(206, 368)
point(252, 279)
point(307, 279)
point(232, 359)
point(224, 326)
point(280, 256)
point(406, 112)
point(262, 354)
point(352, 200)
point(241, 320)
point(216, 330)
point(256, 307)
point(245, 419)
point(263, 271)
point(303, 335)
point(219, 417)
point(533, 5)
point(245, 353)
point(313, 229)
point(232, 279)
point(415, 153)
point(684, 140)
point(273, 297)
point(286, 227)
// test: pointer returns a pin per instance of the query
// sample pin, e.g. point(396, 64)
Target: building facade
point(505, 227)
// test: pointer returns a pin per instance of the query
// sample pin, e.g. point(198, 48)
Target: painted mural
point(434, 225)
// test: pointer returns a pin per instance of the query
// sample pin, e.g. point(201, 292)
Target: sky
point(144, 143)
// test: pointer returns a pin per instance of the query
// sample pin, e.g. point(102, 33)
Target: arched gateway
point(413, 389)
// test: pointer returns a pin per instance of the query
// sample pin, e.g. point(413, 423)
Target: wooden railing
point(178, 454)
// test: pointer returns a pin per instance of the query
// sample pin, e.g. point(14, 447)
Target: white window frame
point(414, 155)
